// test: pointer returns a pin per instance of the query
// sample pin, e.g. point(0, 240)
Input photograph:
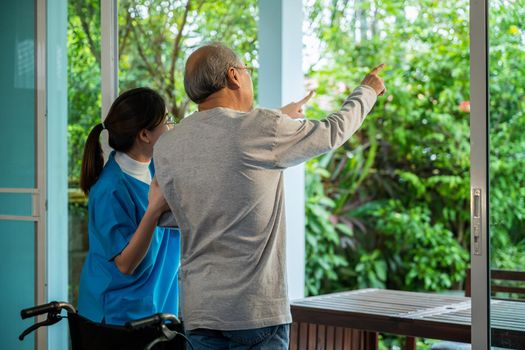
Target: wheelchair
point(157, 332)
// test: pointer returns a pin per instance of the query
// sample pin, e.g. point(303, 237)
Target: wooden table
point(351, 320)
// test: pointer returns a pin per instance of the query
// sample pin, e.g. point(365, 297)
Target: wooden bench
point(511, 283)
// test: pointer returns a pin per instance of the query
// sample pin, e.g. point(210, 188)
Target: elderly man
point(221, 170)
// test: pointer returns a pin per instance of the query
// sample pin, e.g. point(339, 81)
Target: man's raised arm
point(299, 140)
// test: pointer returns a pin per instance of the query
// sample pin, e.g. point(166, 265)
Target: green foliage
point(84, 96)
point(157, 36)
point(431, 257)
point(322, 236)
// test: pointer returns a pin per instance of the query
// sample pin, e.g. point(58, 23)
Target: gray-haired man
point(221, 170)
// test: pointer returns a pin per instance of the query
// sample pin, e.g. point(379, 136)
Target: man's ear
point(143, 136)
point(233, 77)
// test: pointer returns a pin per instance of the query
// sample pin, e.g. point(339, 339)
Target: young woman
point(131, 267)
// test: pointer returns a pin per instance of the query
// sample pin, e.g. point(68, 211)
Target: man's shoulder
point(235, 114)
point(262, 117)
point(268, 112)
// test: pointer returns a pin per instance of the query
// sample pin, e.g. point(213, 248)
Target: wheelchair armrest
point(157, 319)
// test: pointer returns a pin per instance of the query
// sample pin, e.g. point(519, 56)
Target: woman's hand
point(295, 109)
point(157, 202)
point(133, 254)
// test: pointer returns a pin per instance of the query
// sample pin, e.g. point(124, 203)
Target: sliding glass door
point(497, 171)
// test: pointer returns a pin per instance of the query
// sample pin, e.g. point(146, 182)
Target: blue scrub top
point(117, 203)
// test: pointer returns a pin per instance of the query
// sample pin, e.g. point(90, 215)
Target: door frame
point(479, 175)
point(40, 166)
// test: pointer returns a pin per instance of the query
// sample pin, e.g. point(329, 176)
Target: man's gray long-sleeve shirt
point(221, 173)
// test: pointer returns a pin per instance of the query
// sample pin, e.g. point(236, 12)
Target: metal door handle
point(476, 220)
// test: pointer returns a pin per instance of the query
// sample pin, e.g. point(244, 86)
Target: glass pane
point(84, 111)
point(507, 159)
point(16, 204)
point(391, 209)
point(18, 281)
point(17, 94)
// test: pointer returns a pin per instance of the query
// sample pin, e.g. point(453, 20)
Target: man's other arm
point(297, 140)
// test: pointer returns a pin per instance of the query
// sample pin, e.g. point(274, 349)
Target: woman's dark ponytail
point(93, 160)
point(134, 110)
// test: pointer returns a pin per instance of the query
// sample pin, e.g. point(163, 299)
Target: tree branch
point(170, 90)
point(176, 46)
point(84, 22)
point(157, 44)
point(179, 111)
point(125, 36)
point(153, 72)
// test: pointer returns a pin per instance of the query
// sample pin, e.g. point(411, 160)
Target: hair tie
point(103, 126)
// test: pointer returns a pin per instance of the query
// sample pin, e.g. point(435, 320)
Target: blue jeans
point(267, 338)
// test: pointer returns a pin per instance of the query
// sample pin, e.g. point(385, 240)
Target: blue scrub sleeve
point(115, 222)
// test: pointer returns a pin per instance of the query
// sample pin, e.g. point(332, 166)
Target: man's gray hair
point(207, 73)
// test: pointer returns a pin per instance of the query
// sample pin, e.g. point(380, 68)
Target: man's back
point(232, 219)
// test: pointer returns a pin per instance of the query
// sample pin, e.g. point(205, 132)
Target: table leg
point(371, 340)
point(410, 343)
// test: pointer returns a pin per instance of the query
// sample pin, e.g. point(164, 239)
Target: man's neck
point(222, 99)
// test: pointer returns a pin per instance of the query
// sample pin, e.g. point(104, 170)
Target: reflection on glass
point(25, 64)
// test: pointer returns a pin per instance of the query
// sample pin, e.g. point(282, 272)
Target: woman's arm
point(128, 260)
